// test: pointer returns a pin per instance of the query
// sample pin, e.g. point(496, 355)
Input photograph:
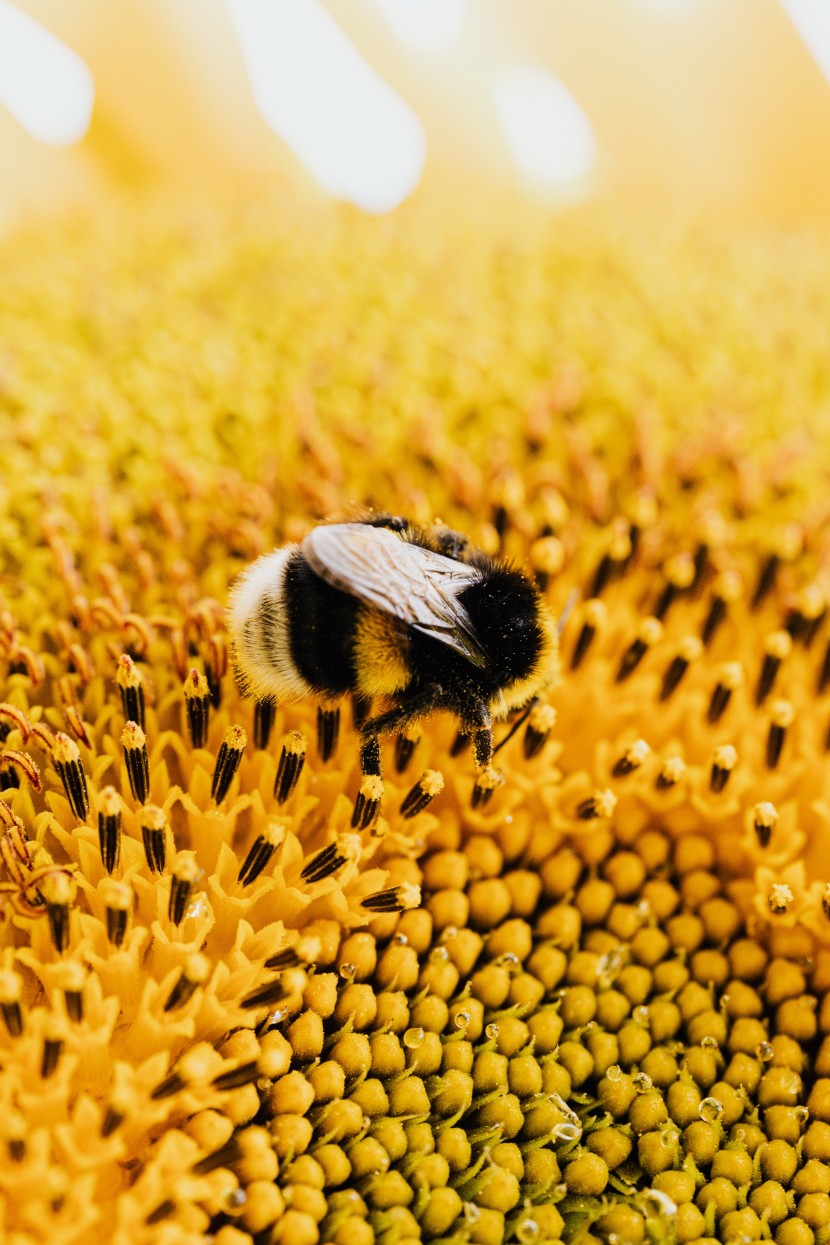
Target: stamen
point(328, 729)
point(428, 786)
point(807, 615)
point(197, 704)
point(154, 836)
point(824, 672)
point(601, 804)
point(53, 1042)
point(261, 852)
point(117, 898)
point(648, 633)
point(395, 899)
point(287, 958)
point(780, 898)
point(11, 992)
point(59, 890)
point(537, 732)
point(216, 666)
point(368, 800)
point(292, 760)
point(131, 688)
point(231, 1151)
point(23, 762)
point(612, 561)
point(680, 574)
point(195, 972)
point(825, 901)
point(265, 711)
point(134, 743)
point(731, 678)
point(67, 759)
point(15, 1130)
point(689, 650)
point(724, 761)
point(227, 762)
point(405, 745)
point(594, 618)
point(73, 991)
point(788, 543)
point(782, 715)
point(487, 780)
point(18, 718)
point(728, 589)
point(109, 828)
point(765, 819)
point(777, 646)
point(633, 757)
point(323, 864)
point(184, 875)
point(673, 771)
point(272, 992)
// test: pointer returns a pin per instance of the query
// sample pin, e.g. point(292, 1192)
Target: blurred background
point(712, 106)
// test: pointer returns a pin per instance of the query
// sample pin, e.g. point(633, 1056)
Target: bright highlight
point(548, 134)
point(357, 138)
point(425, 25)
point(811, 19)
point(43, 83)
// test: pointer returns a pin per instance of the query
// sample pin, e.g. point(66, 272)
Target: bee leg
point(361, 708)
point(394, 720)
point(482, 732)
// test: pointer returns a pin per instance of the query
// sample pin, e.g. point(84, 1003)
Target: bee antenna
point(519, 722)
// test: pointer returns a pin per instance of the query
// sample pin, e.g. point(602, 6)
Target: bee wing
point(411, 583)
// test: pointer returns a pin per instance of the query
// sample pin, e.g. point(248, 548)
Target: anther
point(724, 761)
point(134, 743)
point(825, 900)
point(265, 711)
point(109, 828)
point(782, 715)
point(154, 837)
point(261, 852)
point(395, 899)
point(612, 561)
point(265, 996)
point(777, 646)
point(117, 898)
point(227, 762)
point(19, 762)
point(764, 819)
point(672, 772)
point(195, 971)
point(537, 732)
point(16, 1129)
point(487, 780)
point(131, 687)
point(633, 757)
point(689, 650)
point(780, 898)
point(197, 704)
point(807, 615)
point(323, 864)
point(730, 679)
point(600, 804)
point(73, 991)
point(328, 728)
point(405, 745)
point(368, 800)
point(594, 618)
point(680, 574)
point(788, 543)
point(53, 1042)
point(11, 992)
point(648, 633)
point(231, 1151)
point(184, 875)
point(59, 890)
point(66, 756)
point(216, 666)
point(291, 762)
point(824, 673)
point(460, 744)
point(428, 786)
point(727, 589)
point(289, 957)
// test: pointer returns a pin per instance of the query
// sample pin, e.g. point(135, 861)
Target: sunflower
point(246, 995)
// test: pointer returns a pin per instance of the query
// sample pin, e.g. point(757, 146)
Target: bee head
point(517, 633)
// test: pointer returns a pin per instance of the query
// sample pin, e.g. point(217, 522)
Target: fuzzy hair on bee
point(409, 619)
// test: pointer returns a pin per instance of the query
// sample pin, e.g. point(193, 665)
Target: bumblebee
point(409, 619)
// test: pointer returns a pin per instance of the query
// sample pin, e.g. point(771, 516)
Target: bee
point(413, 619)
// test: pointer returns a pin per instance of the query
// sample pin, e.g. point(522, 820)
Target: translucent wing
point(414, 584)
